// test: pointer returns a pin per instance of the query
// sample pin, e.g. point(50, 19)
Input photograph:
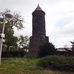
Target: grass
point(19, 63)
point(25, 66)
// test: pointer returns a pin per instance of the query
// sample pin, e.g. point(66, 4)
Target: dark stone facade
point(38, 37)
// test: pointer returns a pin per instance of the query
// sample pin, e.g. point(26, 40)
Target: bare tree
point(72, 42)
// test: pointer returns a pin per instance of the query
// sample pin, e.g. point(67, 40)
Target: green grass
point(19, 63)
point(24, 66)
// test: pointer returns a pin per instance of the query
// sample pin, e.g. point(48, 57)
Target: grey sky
point(59, 18)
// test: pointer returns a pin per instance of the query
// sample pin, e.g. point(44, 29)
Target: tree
point(23, 41)
point(15, 21)
point(72, 42)
point(67, 48)
point(47, 49)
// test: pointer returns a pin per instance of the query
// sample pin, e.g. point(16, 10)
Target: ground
point(25, 66)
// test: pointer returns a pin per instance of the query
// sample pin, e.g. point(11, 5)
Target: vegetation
point(25, 66)
point(72, 42)
point(15, 20)
point(10, 39)
point(47, 49)
point(57, 62)
point(23, 41)
point(18, 53)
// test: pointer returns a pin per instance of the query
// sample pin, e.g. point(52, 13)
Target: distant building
point(64, 49)
point(61, 49)
point(38, 37)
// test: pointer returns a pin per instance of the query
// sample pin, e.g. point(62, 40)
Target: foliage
point(47, 49)
point(57, 62)
point(23, 41)
point(15, 53)
point(13, 20)
point(10, 39)
point(72, 42)
point(25, 66)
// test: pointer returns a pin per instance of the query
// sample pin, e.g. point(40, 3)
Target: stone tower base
point(36, 43)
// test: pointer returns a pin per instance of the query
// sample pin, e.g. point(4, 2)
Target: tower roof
point(38, 8)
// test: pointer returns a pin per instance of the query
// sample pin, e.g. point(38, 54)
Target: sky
point(59, 18)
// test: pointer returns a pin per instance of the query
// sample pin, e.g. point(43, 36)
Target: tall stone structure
point(38, 37)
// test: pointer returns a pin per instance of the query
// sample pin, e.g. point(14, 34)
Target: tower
point(38, 37)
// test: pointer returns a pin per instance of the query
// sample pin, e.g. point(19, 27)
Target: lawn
point(25, 66)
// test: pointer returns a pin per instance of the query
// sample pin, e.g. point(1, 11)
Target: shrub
point(46, 49)
point(57, 62)
point(13, 53)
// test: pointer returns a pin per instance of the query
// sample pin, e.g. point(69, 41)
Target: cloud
point(68, 29)
point(59, 22)
point(63, 33)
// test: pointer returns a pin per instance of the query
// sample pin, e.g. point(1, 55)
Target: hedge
point(57, 62)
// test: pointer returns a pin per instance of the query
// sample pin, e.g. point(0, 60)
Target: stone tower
point(38, 37)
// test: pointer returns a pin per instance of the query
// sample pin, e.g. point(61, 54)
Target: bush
point(57, 62)
point(13, 53)
point(47, 49)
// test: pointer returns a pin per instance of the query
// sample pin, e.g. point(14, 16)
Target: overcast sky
point(59, 18)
